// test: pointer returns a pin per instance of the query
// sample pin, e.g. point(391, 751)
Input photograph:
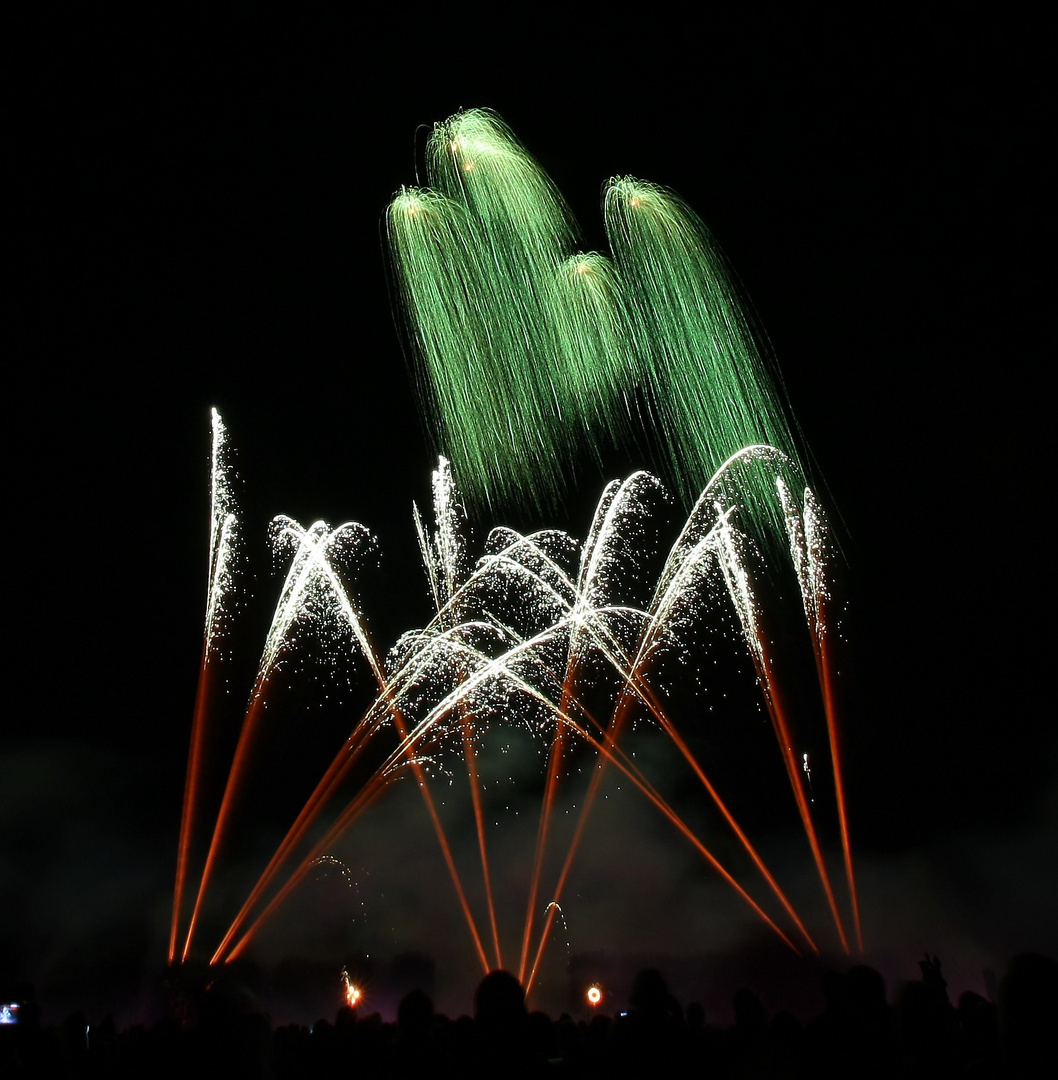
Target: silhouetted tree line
point(860, 1034)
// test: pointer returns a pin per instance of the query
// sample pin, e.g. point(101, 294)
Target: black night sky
point(197, 222)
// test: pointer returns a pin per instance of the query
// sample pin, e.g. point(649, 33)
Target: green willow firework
point(531, 353)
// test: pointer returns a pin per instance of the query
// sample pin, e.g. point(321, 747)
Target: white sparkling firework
point(515, 636)
point(313, 588)
point(223, 535)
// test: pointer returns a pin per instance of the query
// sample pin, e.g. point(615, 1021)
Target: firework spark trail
point(444, 561)
point(360, 802)
point(386, 706)
point(556, 340)
point(502, 668)
point(589, 307)
point(647, 697)
point(808, 549)
point(620, 501)
point(589, 562)
point(507, 558)
point(310, 564)
point(371, 790)
point(442, 552)
point(404, 754)
point(554, 764)
point(470, 757)
point(443, 558)
point(612, 754)
point(490, 234)
point(675, 585)
point(332, 779)
point(637, 691)
point(698, 539)
point(223, 533)
point(750, 617)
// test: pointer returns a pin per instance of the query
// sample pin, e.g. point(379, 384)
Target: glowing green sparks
point(532, 353)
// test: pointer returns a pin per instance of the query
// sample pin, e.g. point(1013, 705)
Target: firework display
point(532, 355)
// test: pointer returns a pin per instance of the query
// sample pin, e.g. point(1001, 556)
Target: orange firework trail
point(554, 762)
point(616, 757)
point(750, 617)
point(222, 538)
point(191, 799)
point(385, 707)
point(808, 549)
point(470, 756)
point(327, 787)
point(593, 559)
point(684, 563)
point(310, 570)
point(371, 790)
point(512, 638)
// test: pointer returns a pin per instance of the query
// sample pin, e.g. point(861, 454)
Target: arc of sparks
point(309, 566)
point(808, 549)
point(583, 616)
point(223, 535)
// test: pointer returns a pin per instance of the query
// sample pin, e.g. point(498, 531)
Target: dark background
point(197, 221)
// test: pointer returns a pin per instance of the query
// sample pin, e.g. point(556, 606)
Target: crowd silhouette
point(860, 1033)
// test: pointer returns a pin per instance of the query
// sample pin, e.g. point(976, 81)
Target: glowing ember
point(353, 994)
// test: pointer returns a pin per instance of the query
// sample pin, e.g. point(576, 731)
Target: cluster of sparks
point(531, 354)
point(513, 639)
point(351, 992)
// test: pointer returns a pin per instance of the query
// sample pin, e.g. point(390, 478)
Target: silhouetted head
point(499, 1001)
point(785, 1029)
point(696, 1016)
point(650, 994)
point(865, 989)
point(977, 1016)
point(414, 1013)
point(749, 1012)
point(1028, 999)
point(834, 991)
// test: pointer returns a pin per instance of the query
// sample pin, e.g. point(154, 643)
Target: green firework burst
point(531, 353)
